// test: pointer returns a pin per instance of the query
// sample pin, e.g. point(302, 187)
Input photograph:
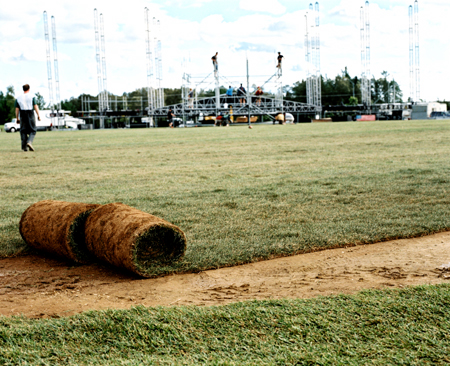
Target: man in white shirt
point(25, 108)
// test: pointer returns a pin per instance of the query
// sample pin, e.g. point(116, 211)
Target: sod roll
point(128, 238)
point(57, 227)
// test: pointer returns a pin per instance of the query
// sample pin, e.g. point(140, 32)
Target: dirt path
point(41, 287)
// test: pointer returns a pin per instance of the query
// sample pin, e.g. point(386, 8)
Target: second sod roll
point(129, 238)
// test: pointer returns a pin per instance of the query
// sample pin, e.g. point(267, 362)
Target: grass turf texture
point(392, 327)
point(243, 195)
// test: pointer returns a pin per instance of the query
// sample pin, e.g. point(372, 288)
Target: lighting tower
point(368, 73)
point(317, 86)
point(150, 62)
point(279, 83)
point(308, 63)
point(158, 64)
point(103, 54)
point(99, 63)
point(416, 49)
point(49, 62)
point(55, 66)
point(186, 80)
point(312, 56)
point(412, 92)
point(365, 55)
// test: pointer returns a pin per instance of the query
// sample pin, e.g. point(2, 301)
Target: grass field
point(244, 195)
point(406, 327)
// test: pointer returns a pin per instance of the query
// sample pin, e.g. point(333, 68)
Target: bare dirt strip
point(40, 287)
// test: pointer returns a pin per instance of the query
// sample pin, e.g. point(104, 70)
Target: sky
point(238, 29)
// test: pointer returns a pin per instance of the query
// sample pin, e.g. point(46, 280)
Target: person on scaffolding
point(279, 59)
point(226, 119)
point(230, 94)
point(191, 98)
point(241, 92)
point(219, 119)
point(170, 116)
point(215, 62)
point(258, 93)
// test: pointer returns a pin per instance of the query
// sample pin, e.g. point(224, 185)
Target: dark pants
point(27, 138)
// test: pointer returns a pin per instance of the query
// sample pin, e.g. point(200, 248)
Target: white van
point(48, 122)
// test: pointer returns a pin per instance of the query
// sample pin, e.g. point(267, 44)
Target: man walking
point(25, 107)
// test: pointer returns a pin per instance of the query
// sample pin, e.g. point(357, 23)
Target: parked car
point(12, 126)
point(439, 115)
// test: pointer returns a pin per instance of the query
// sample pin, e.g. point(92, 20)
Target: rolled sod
point(57, 227)
point(129, 238)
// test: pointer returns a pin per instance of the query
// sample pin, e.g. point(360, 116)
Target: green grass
point(243, 195)
point(396, 327)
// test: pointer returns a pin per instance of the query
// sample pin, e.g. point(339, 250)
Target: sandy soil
point(41, 287)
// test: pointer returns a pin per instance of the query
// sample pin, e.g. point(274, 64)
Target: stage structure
point(55, 105)
point(248, 105)
point(194, 109)
point(414, 61)
point(312, 56)
point(366, 98)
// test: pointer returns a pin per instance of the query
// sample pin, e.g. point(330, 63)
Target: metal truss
point(258, 106)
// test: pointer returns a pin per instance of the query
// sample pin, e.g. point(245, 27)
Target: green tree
point(39, 99)
point(353, 101)
point(3, 109)
point(10, 101)
point(383, 90)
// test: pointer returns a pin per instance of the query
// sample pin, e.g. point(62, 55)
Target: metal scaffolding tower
point(102, 41)
point(412, 92)
point(312, 56)
point(49, 62)
point(186, 80)
point(55, 65)
point(308, 63)
point(99, 62)
point(279, 87)
point(416, 50)
point(158, 64)
point(217, 83)
point(365, 55)
point(317, 86)
point(150, 63)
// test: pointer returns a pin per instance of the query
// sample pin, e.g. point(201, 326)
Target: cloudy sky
point(237, 29)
